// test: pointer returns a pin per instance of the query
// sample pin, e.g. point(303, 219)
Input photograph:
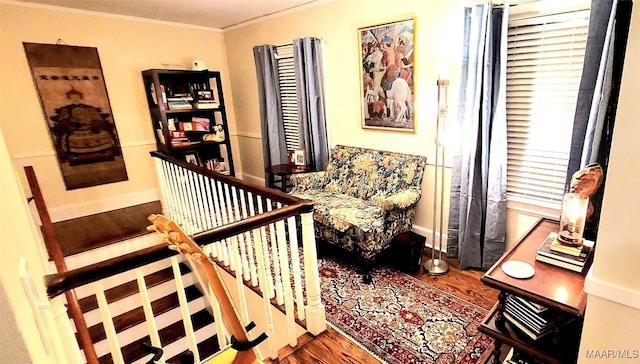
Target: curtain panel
point(477, 215)
point(274, 148)
point(598, 94)
point(307, 57)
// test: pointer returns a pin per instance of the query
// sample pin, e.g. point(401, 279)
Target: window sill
point(533, 210)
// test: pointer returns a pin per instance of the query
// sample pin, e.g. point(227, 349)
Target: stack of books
point(179, 103)
point(572, 258)
point(206, 104)
point(179, 139)
point(531, 319)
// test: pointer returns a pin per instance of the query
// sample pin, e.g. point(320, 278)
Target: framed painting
point(387, 70)
point(76, 107)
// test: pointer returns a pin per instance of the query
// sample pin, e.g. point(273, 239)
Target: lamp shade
point(572, 219)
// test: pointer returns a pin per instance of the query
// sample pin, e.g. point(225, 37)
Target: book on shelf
point(217, 165)
point(536, 323)
point(579, 263)
point(206, 105)
point(171, 123)
point(160, 136)
point(523, 329)
point(180, 104)
point(531, 306)
point(572, 267)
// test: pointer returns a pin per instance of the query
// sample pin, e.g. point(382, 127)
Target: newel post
point(315, 313)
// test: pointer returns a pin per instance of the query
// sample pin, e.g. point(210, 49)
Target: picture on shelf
point(201, 124)
point(192, 158)
point(204, 95)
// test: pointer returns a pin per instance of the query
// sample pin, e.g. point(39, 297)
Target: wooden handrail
point(55, 253)
point(61, 282)
point(250, 223)
point(256, 189)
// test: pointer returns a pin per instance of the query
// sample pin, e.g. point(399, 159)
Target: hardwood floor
point(331, 347)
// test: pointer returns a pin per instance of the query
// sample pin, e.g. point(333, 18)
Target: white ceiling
point(209, 13)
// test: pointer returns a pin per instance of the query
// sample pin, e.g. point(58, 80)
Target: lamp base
point(436, 267)
point(569, 238)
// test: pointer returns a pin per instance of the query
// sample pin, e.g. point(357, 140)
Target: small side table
point(283, 171)
point(405, 252)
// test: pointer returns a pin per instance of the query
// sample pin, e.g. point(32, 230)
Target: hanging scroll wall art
point(76, 107)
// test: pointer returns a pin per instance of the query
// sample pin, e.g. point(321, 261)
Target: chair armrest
point(308, 181)
point(401, 200)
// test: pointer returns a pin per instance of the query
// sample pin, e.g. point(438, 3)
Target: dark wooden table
point(559, 289)
point(283, 171)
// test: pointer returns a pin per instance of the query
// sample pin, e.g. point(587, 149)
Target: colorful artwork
point(387, 55)
point(76, 107)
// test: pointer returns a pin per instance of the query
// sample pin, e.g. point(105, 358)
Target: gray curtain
point(477, 214)
point(307, 57)
point(274, 149)
point(598, 93)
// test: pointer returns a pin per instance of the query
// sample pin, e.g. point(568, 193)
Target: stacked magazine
point(531, 319)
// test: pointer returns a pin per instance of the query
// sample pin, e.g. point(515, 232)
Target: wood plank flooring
point(94, 231)
point(331, 347)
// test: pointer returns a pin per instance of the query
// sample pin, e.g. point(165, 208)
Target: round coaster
point(518, 269)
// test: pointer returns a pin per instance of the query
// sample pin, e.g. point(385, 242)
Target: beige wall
point(612, 321)
point(439, 35)
point(126, 46)
point(438, 40)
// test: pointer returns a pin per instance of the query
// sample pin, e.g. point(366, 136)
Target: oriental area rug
point(400, 319)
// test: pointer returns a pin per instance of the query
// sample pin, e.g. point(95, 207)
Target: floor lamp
point(435, 265)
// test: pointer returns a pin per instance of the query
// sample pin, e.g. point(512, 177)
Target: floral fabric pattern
point(364, 198)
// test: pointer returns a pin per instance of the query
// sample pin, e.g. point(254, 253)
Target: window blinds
point(288, 95)
point(545, 54)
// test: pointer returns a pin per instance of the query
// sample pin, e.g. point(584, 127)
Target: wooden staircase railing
point(255, 233)
point(252, 231)
point(55, 254)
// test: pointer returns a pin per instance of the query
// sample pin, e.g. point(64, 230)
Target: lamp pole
point(437, 266)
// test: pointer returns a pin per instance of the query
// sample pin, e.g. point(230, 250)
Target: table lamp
point(572, 219)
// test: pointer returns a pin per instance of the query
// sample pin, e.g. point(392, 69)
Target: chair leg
point(366, 266)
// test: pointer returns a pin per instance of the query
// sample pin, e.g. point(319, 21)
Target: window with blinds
point(288, 95)
point(544, 67)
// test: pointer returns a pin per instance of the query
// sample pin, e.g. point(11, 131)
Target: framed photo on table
point(298, 157)
point(387, 74)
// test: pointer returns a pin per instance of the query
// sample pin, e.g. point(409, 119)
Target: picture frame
point(192, 158)
point(204, 95)
point(75, 103)
point(387, 73)
point(299, 158)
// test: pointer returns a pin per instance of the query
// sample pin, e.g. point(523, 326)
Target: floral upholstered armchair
point(364, 198)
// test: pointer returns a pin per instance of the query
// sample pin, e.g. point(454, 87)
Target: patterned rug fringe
point(357, 343)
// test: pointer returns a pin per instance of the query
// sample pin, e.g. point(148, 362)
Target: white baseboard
point(253, 179)
point(428, 234)
point(607, 291)
point(107, 204)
